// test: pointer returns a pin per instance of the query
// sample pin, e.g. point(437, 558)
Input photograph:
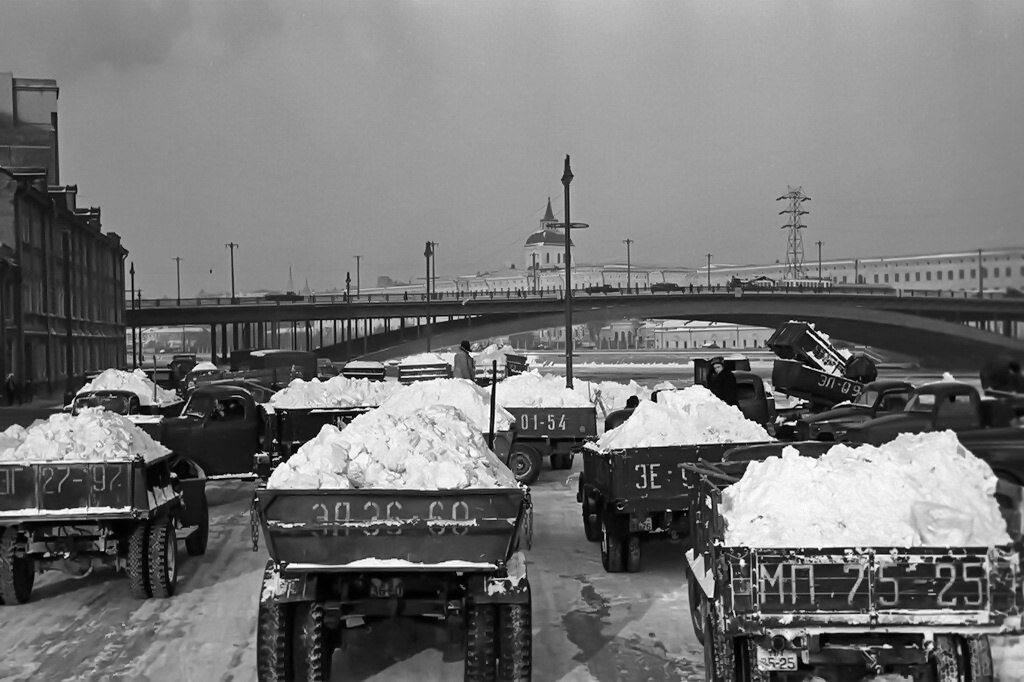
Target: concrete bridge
point(941, 328)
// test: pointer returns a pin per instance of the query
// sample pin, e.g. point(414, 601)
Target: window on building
point(938, 275)
point(917, 276)
point(949, 275)
point(886, 278)
point(961, 275)
point(876, 279)
point(547, 257)
point(844, 276)
point(984, 272)
point(928, 276)
point(974, 273)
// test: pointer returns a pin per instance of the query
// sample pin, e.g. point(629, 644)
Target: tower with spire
point(545, 248)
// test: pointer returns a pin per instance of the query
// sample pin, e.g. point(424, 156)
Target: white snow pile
point(612, 393)
point(204, 366)
point(424, 359)
point(432, 448)
point(473, 401)
point(363, 364)
point(338, 391)
point(135, 381)
point(918, 489)
point(493, 353)
point(533, 389)
point(94, 434)
point(691, 416)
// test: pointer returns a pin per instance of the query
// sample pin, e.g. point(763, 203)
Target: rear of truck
point(633, 493)
point(72, 515)
point(555, 432)
point(347, 558)
point(782, 613)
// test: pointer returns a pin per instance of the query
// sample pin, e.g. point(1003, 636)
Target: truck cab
point(879, 398)
point(221, 428)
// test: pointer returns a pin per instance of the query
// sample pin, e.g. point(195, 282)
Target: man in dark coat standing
point(465, 367)
point(722, 382)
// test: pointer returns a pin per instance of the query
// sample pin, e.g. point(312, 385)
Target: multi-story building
point(62, 279)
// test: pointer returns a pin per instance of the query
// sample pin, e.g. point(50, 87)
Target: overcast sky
point(310, 132)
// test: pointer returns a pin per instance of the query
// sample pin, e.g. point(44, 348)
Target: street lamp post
point(232, 246)
point(709, 270)
point(819, 261)
point(135, 355)
point(433, 268)
point(629, 285)
point(569, 226)
point(981, 277)
point(177, 264)
point(533, 257)
point(427, 252)
point(358, 259)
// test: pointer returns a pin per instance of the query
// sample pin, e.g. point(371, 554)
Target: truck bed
point(555, 422)
point(643, 479)
point(67, 490)
point(884, 589)
point(293, 426)
point(800, 381)
point(357, 530)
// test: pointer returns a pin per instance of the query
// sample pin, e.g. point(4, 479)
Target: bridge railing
point(508, 294)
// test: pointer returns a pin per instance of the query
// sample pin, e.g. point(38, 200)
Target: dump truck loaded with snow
point(636, 478)
point(87, 489)
point(396, 515)
point(906, 577)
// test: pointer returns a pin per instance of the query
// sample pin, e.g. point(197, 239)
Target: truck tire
point(273, 627)
point(311, 658)
point(719, 653)
point(525, 463)
point(979, 659)
point(591, 519)
point(613, 550)
point(137, 564)
point(163, 558)
point(515, 645)
point(195, 544)
point(633, 564)
point(16, 573)
point(947, 659)
point(481, 642)
point(698, 605)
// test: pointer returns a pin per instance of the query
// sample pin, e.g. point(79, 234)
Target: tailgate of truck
point(71, 490)
point(874, 587)
point(342, 529)
point(555, 422)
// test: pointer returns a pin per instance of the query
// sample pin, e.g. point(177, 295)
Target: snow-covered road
point(588, 625)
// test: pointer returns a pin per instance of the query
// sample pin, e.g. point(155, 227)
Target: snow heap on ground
point(432, 448)
point(338, 391)
point(473, 401)
point(918, 489)
point(690, 416)
point(363, 364)
point(92, 435)
point(612, 393)
point(204, 366)
point(533, 389)
point(136, 381)
point(493, 353)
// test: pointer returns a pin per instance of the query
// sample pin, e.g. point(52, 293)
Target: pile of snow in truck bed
point(473, 400)
point(338, 391)
point(693, 415)
point(432, 448)
point(533, 389)
point(93, 434)
point(918, 489)
point(135, 381)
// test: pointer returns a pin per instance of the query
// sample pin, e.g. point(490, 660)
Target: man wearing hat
point(722, 382)
point(465, 368)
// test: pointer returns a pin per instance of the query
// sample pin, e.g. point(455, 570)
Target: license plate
point(385, 589)
point(770, 661)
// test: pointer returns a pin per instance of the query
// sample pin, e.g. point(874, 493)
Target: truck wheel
point(525, 463)
point(979, 659)
point(515, 648)
point(195, 544)
point(591, 520)
point(633, 554)
point(163, 558)
point(719, 653)
point(698, 605)
point(16, 573)
point(311, 659)
point(273, 627)
point(612, 548)
point(481, 642)
point(137, 566)
point(947, 659)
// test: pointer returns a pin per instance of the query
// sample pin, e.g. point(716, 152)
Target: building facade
point(62, 280)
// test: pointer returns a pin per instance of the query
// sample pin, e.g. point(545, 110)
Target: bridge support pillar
point(224, 349)
point(213, 343)
point(1008, 329)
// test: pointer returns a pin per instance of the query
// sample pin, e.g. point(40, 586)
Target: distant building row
point(62, 280)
